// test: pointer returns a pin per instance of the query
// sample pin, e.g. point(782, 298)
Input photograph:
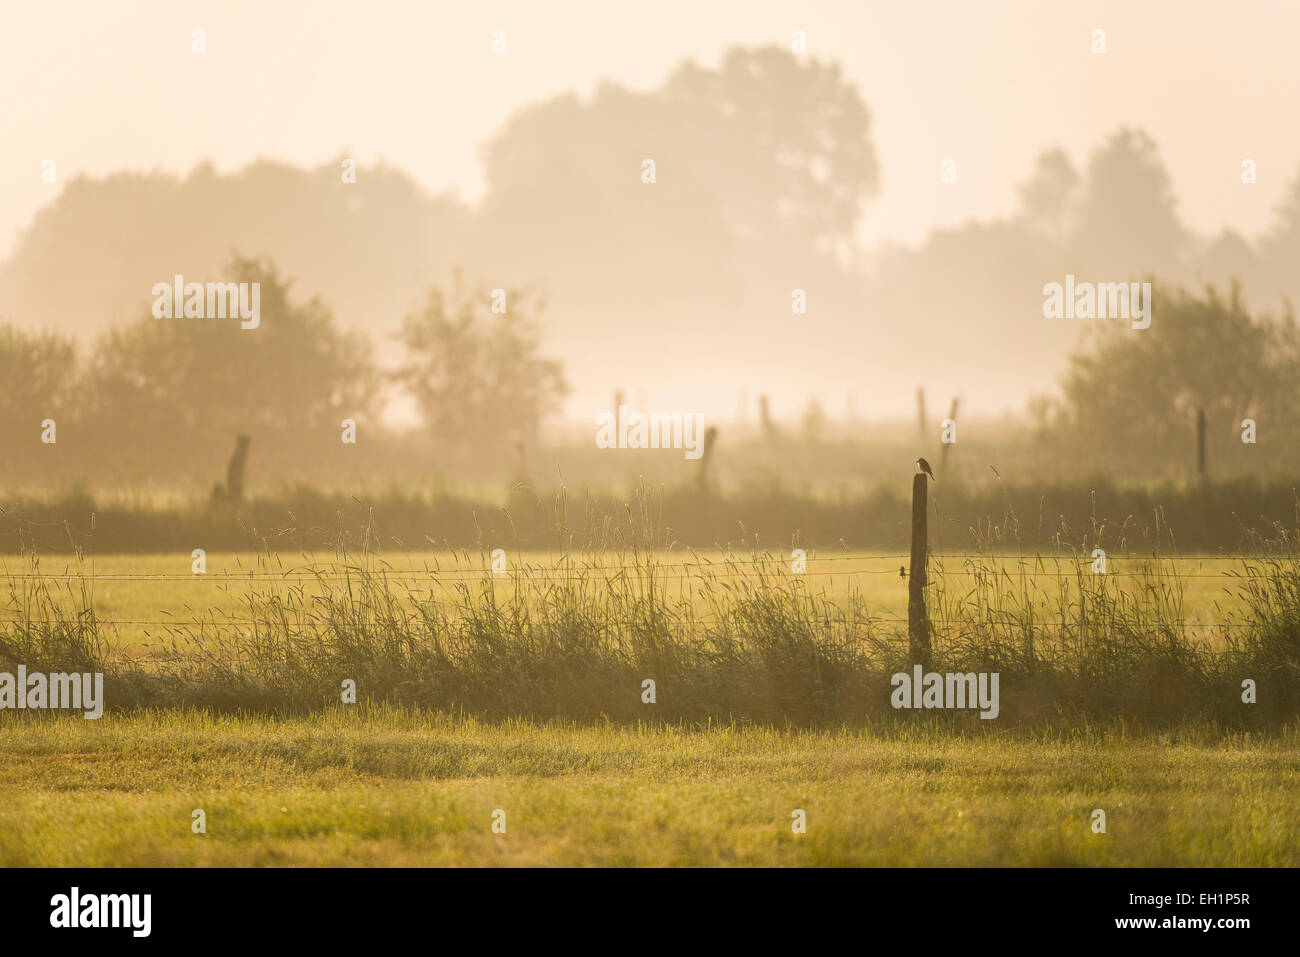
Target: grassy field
point(385, 786)
point(728, 637)
point(142, 598)
point(522, 692)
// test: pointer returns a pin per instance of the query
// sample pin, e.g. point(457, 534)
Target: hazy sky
point(101, 87)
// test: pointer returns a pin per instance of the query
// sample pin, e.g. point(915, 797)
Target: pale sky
point(104, 87)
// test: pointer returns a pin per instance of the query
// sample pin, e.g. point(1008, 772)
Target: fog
point(845, 205)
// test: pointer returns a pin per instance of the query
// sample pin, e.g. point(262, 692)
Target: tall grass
point(743, 638)
point(1209, 517)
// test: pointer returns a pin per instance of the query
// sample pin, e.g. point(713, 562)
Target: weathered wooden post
point(765, 417)
point(235, 470)
point(918, 623)
point(943, 452)
point(1200, 442)
point(702, 476)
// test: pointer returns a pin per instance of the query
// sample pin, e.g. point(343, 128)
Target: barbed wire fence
point(576, 569)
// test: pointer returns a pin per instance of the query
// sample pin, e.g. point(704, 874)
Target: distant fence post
point(235, 470)
point(918, 624)
point(765, 417)
point(1200, 442)
point(702, 476)
point(943, 451)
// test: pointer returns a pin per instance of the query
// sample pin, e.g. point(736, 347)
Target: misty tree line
point(766, 172)
point(1129, 398)
point(167, 393)
point(171, 391)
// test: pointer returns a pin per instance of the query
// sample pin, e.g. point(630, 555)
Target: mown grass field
point(378, 786)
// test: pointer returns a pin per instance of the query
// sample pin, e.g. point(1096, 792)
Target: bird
point(924, 466)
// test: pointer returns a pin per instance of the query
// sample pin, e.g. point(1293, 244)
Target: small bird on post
point(924, 466)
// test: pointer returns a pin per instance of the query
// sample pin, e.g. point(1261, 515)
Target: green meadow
point(397, 787)
point(514, 696)
point(140, 599)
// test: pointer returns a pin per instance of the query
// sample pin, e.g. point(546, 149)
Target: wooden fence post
point(1200, 442)
point(918, 623)
point(235, 470)
point(943, 450)
point(702, 476)
point(765, 417)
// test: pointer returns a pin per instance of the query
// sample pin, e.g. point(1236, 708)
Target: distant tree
point(40, 376)
point(366, 248)
point(1116, 222)
point(191, 383)
point(1127, 223)
point(786, 142)
point(475, 375)
point(771, 142)
point(1280, 248)
point(764, 166)
point(1133, 394)
point(1048, 198)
